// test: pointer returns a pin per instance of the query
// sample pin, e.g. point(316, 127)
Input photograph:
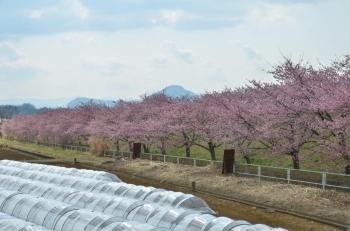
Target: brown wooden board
point(136, 150)
point(228, 161)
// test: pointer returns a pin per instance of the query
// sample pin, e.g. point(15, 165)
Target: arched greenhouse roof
point(37, 197)
point(85, 173)
point(8, 223)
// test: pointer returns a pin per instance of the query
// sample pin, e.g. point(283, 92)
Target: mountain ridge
point(71, 102)
point(172, 91)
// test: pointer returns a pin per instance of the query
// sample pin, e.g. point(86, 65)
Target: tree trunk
point(347, 169)
point(247, 159)
point(131, 147)
point(86, 139)
point(295, 158)
point(187, 145)
point(163, 148)
point(117, 145)
point(146, 149)
point(188, 151)
point(342, 144)
point(212, 150)
point(244, 153)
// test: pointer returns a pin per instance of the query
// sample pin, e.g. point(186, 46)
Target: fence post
point(195, 162)
point(259, 172)
point(324, 180)
point(164, 158)
point(348, 226)
point(234, 168)
point(288, 175)
point(150, 156)
point(177, 160)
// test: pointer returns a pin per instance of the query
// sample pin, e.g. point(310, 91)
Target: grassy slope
point(308, 160)
point(49, 151)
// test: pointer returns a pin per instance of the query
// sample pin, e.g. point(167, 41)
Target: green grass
point(308, 159)
point(51, 151)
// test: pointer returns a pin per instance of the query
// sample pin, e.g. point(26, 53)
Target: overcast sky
point(123, 48)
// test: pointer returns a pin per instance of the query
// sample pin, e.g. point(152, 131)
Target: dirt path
point(227, 208)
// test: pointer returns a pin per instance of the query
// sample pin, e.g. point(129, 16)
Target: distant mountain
point(177, 91)
point(78, 101)
point(38, 103)
point(173, 91)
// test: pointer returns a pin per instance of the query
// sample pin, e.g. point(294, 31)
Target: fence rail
point(324, 180)
point(66, 147)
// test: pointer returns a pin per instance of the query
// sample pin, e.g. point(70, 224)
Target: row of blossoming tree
point(304, 107)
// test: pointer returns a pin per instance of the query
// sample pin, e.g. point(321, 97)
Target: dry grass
point(97, 146)
point(326, 203)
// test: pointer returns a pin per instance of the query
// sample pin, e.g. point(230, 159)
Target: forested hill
point(8, 111)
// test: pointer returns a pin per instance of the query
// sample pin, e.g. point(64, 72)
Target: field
point(329, 204)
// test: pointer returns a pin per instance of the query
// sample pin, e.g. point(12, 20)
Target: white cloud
point(40, 13)
point(67, 7)
point(172, 16)
point(98, 50)
point(90, 40)
point(77, 8)
point(250, 51)
point(103, 65)
point(212, 68)
point(9, 52)
point(185, 55)
point(160, 59)
point(269, 14)
point(79, 37)
point(35, 14)
point(15, 65)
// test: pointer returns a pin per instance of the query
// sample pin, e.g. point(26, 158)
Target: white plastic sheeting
point(149, 194)
point(66, 202)
point(10, 223)
point(153, 195)
point(85, 173)
point(132, 209)
point(61, 216)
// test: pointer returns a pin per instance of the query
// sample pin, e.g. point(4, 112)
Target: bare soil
point(13, 155)
point(296, 198)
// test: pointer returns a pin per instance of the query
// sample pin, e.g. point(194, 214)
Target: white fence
point(324, 180)
point(306, 177)
point(66, 147)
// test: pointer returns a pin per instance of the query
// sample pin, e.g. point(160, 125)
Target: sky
point(120, 49)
